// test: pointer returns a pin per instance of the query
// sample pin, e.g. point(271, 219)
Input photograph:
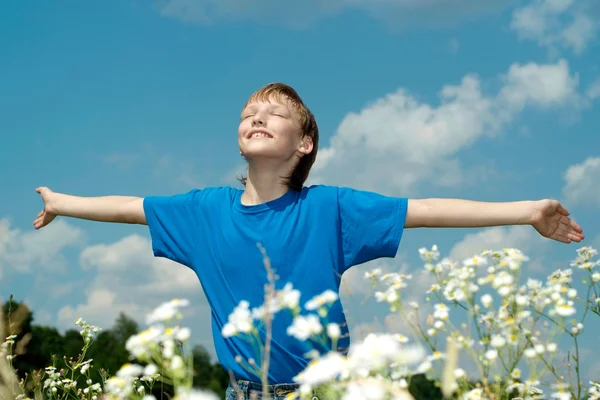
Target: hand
point(46, 215)
point(552, 220)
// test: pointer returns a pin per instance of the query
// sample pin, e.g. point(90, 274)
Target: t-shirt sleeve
point(371, 225)
point(172, 222)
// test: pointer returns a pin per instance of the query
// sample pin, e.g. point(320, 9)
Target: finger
point(566, 235)
point(569, 222)
point(575, 238)
point(581, 236)
point(562, 210)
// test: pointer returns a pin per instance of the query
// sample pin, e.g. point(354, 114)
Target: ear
point(306, 146)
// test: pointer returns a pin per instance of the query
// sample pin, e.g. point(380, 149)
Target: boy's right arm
point(120, 209)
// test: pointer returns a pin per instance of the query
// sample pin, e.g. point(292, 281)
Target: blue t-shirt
point(311, 238)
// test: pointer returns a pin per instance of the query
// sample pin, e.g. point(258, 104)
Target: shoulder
point(318, 193)
point(339, 193)
point(195, 196)
point(214, 195)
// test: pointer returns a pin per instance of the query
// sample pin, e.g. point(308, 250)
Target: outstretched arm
point(121, 209)
point(548, 217)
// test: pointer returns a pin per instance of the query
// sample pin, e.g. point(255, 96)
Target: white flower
point(177, 363)
point(378, 350)
point(389, 296)
point(150, 370)
point(139, 345)
point(289, 297)
point(486, 300)
point(168, 348)
point(119, 386)
point(521, 300)
point(491, 354)
point(565, 309)
point(441, 311)
point(373, 274)
point(333, 330)
point(183, 334)
point(167, 311)
point(324, 369)
point(475, 394)
point(85, 366)
point(305, 326)
point(475, 261)
point(530, 352)
point(498, 341)
point(240, 320)
point(429, 255)
point(539, 348)
point(196, 394)
point(327, 297)
point(371, 388)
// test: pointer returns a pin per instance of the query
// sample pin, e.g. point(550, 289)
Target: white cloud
point(398, 13)
point(582, 182)
point(398, 142)
point(538, 85)
point(555, 24)
point(21, 250)
point(593, 91)
point(130, 262)
point(100, 310)
point(131, 280)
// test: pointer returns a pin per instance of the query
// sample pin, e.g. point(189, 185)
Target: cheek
point(241, 129)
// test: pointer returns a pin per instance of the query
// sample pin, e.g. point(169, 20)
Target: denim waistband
point(277, 389)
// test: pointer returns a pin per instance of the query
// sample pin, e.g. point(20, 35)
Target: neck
point(264, 184)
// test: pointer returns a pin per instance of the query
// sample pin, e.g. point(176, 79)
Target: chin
point(261, 154)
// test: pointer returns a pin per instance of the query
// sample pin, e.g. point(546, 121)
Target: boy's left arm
point(548, 217)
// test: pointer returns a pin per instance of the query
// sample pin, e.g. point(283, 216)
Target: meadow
point(483, 330)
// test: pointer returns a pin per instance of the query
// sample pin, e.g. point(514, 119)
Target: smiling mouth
point(259, 135)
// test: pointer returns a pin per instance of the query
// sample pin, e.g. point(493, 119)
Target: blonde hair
point(281, 92)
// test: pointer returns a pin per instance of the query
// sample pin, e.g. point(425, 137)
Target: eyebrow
point(273, 106)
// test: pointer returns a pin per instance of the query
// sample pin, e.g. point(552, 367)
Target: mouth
point(258, 134)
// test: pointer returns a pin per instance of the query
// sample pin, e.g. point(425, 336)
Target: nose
point(258, 119)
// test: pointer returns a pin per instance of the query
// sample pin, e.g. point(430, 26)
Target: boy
point(311, 234)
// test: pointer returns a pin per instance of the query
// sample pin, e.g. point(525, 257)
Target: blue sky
point(496, 101)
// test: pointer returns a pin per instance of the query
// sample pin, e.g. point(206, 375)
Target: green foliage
point(422, 388)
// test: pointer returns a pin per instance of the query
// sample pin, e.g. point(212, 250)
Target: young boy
point(311, 234)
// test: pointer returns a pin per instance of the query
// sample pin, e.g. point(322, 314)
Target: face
point(271, 130)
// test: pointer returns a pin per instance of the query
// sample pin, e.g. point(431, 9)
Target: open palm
point(552, 220)
point(46, 215)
